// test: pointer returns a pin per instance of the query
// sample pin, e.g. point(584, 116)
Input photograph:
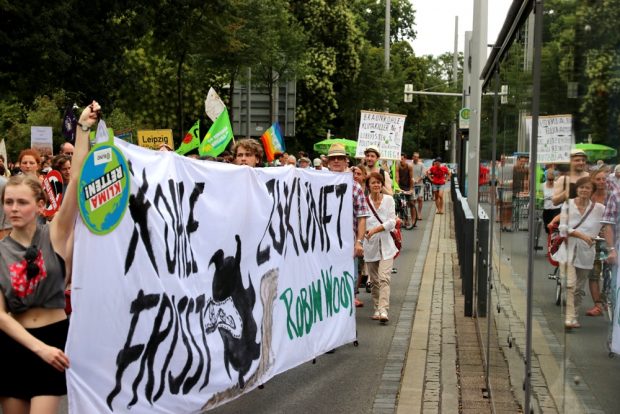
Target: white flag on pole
point(213, 105)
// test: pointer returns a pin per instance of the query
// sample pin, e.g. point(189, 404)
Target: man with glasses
point(337, 162)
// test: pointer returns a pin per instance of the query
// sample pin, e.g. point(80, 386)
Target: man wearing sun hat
point(565, 187)
point(337, 162)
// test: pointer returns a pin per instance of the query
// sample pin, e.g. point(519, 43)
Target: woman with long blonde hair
point(33, 323)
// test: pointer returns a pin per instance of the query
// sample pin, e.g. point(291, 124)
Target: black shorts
point(24, 374)
point(548, 215)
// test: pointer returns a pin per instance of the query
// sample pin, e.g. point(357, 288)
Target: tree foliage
point(152, 63)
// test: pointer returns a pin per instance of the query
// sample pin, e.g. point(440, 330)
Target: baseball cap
point(617, 168)
point(438, 159)
point(316, 162)
point(304, 159)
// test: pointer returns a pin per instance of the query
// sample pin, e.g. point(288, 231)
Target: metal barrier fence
point(482, 257)
point(464, 231)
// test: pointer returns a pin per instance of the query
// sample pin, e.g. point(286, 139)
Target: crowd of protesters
point(36, 253)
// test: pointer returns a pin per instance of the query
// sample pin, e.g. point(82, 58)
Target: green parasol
point(323, 146)
point(596, 151)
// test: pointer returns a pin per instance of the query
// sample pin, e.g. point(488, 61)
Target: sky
point(435, 23)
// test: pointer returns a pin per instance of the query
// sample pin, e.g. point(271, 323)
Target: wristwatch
point(84, 128)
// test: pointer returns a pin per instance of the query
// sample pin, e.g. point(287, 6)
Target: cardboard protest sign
point(41, 140)
point(154, 138)
point(382, 130)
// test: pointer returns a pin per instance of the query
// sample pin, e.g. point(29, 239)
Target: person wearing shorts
point(438, 175)
point(418, 182)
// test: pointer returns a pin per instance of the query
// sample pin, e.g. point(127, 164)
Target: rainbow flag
point(273, 141)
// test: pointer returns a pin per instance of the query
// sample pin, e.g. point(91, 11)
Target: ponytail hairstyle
point(28, 180)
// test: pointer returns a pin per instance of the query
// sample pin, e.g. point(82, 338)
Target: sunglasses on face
point(32, 268)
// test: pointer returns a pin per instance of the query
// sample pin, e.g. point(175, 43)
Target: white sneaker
point(383, 317)
point(376, 316)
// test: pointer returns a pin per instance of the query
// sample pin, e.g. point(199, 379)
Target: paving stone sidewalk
point(443, 371)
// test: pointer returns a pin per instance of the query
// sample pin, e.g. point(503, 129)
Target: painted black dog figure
point(227, 283)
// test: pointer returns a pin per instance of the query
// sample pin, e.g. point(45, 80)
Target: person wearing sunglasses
point(33, 323)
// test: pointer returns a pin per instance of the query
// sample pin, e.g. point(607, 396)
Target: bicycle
point(607, 289)
point(606, 276)
point(403, 210)
point(428, 190)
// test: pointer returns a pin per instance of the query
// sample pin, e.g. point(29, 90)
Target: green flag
point(191, 140)
point(218, 137)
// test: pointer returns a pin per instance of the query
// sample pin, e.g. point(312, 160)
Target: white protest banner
point(218, 278)
point(555, 138)
point(382, 130)
point(41, 139)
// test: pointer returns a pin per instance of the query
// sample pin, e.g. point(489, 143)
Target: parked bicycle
point(404, 210)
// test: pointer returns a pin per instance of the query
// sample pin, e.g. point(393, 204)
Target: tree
point(281, 47)
point(370, 19)
point(332, 62)
point(64, 45)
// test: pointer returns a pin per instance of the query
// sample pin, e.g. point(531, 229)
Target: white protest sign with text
point(41, 139)
point(555, 138)
point(382, 130)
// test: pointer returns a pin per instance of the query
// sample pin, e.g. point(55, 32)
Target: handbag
point(555, 240)
point(396, 234)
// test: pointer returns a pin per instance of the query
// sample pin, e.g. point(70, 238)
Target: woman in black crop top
point(33, 324)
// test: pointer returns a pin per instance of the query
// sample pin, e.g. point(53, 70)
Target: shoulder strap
point(369, 201)
point(592, 203)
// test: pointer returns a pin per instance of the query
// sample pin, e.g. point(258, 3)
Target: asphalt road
point(347, 380)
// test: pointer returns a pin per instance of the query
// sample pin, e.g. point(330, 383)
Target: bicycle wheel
point(558, 292)
point(606, 292)
point(407, 219)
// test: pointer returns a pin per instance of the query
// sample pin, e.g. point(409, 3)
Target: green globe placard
point(103, 189)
